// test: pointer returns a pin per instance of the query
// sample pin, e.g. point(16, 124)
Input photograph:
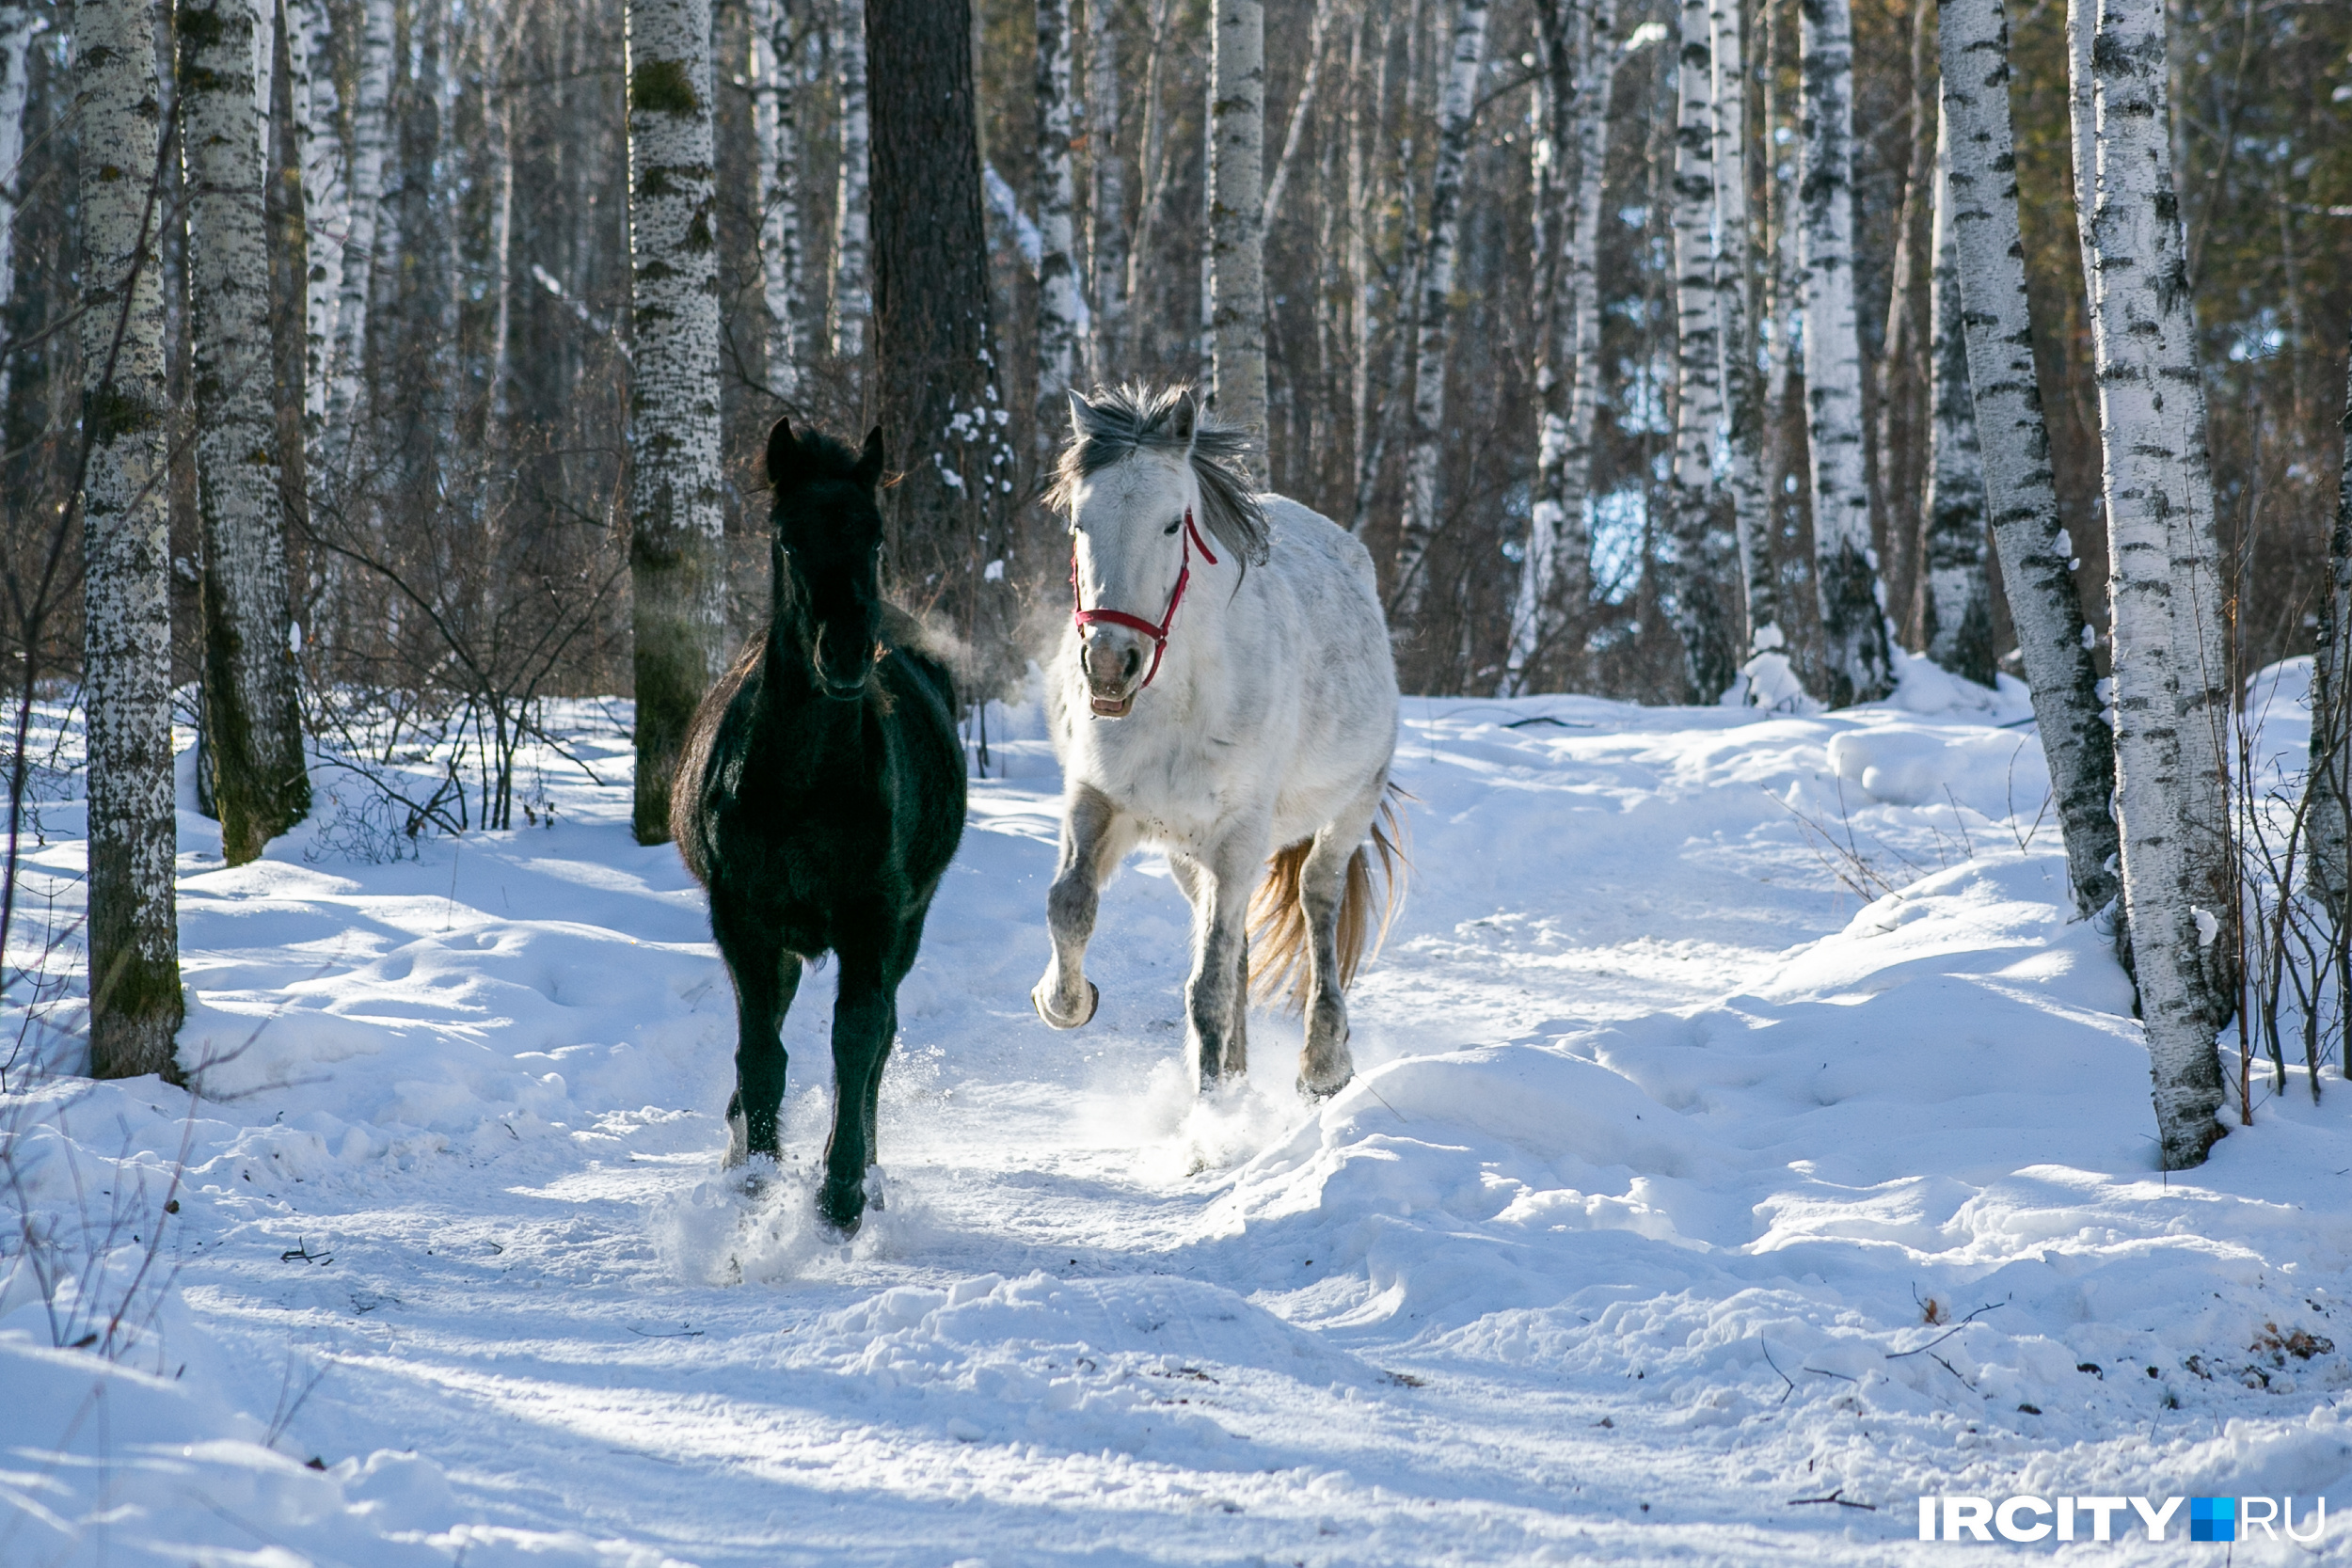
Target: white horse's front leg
point(1093, 837)
point(1217, 997)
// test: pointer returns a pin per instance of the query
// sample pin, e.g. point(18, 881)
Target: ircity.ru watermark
point(2031, 1519)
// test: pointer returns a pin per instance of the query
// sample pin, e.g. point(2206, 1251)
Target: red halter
point(1158, 634)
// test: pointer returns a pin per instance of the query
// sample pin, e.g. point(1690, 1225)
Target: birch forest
point(371, 370)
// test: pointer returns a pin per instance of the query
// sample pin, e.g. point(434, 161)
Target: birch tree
point(252, 723)
point(1702, 616)
point(1858, 666)
point(2171, 689)
point(136, 1005)
point(1237, 198)
point(676, 555)
point(318, 153)
point(2329, 789)
point(1106, 201)
point(775, 127)
point(2021, 494)
point(1432, 316)
point(16, 40)
point(852, 286)
point(1059, 310)
point(370, 143)
point(1735, 317)
point(1959, 607)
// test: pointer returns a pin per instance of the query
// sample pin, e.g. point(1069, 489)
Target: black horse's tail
point(1279, 938)
point(690, 828)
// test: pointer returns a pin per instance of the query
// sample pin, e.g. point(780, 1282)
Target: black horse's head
point(828, 552)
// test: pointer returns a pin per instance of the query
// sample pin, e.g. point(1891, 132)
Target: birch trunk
point(318, 151)
point(16, 38)
point(1552, 326)
point(370, 142)
point(2329, 786)
point(1857, 665)
point(252, 725)
point(853, 275)
point(1237, 216)
point(1433, 326)
point(136, 1005)
point(775, 127)
point(1900, 479)
point(676, 555)
point(2171, 690)
point(1703, 614)
point(1060, 326)
point(1302, 111)
point(1958, 614)
point(2021, 494)
point(1735, 316)
point(1107, 201)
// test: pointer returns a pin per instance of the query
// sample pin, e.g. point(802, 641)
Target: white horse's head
point(1144, 475)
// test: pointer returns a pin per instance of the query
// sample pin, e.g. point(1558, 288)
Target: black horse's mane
point(827, 457)
point(1116, 422)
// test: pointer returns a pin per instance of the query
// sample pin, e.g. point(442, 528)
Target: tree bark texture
point(1958, 614)
point(2021, 494)
point(1703, 612)
point(1857, 664)
point(136, 1005)
point(852, 270)
point(937, 392)
point(776, 129)
point(1433, 315)
point(16, 40)
point(1238, 215)
point(677, 554)
point(2172, 684)
point(1107, 201)
point(1735, 319)
point(369, 144)
point(1060, 312)
point(1902, 384)
point(2329, 783)
point(318, 149)
point(252, 721)
point(1552, 137)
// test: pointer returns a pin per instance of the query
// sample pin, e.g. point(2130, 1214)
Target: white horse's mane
point(1115, 422)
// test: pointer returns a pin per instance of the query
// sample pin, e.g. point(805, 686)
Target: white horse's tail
point(1279, 938)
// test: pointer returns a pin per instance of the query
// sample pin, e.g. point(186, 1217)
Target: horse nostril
point(1135, 660)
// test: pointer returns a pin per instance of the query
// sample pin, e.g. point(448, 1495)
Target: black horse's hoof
point(1094, 999)
point(841, 1208)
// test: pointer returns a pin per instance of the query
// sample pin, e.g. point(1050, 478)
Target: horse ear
point(1185, 421)
point(1079, 409)
point(784, 453)
point(869, 461)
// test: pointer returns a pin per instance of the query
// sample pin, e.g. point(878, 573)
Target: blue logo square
point(2213, 1518)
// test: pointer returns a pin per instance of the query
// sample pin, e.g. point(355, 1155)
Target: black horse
point(819, 797)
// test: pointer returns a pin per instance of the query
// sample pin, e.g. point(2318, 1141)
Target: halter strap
point(1156, 632)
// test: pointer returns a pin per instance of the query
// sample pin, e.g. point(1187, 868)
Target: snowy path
point(1651, 1114)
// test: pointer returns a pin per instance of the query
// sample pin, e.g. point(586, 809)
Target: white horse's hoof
point(1094, 999)
point(1315, 1094)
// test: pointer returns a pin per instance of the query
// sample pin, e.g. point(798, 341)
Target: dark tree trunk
point(937, 394)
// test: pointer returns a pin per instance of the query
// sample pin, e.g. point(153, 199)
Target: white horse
point(1230, 699)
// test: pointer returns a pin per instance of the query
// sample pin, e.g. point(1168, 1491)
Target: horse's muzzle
point(1113, 665)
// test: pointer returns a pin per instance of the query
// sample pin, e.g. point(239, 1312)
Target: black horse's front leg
point(766, 978)
point(865, 1016)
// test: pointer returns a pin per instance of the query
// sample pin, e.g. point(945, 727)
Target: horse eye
point(1171, 528)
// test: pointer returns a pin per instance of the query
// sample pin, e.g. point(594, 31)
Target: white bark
point(852, 279)
point(1858, 667)
point(677, 554)
point(2020, 493)
point(1060, 312)
point(16, 38)
point(1433, 325)
point(318, 151)
point(1959, 591)
point(1106, 202)
point(2172, 691)
point(369, 144)
point(1238, 215)
point(1702, 612)
point(775, 128)
point(136, 1005)
point(2329, 813)
point(251, 722)
point(1735, 314)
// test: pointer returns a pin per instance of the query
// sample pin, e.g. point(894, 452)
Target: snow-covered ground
point(1688, 1206)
